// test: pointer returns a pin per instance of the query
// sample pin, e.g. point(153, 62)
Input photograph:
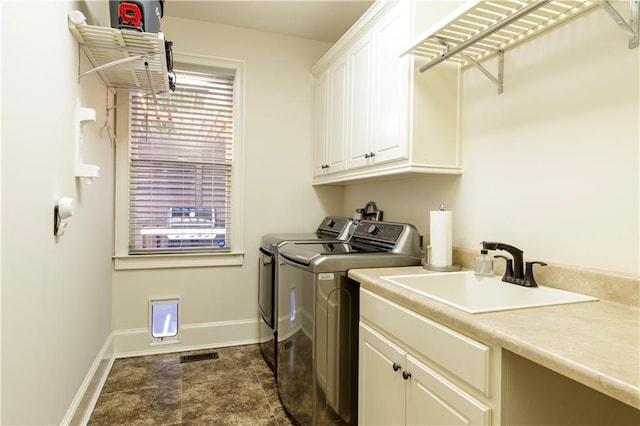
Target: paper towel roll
point(441, 238)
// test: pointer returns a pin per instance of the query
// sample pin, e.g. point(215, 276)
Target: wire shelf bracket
point(632, 28)
point(498, 81)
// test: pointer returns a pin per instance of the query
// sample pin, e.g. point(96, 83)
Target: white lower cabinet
point(381, 388)
point(433, 400)
point(401, 383)
point(395, 388)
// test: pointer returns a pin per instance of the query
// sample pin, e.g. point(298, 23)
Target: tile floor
point(236, 389)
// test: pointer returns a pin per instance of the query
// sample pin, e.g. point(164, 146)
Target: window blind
point(180, 164)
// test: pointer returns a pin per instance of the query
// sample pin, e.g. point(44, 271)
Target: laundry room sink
point(467, 292)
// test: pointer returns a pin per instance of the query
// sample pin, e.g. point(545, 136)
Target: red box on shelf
point(136, 15)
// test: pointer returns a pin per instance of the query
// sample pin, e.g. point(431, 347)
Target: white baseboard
point(87, 395)
point(192, 336)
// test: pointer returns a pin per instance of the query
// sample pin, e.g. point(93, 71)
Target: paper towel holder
point(429, 266)
point(438, 268)
point(62, 210)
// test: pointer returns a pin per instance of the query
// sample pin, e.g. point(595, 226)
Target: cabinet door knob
point(372, 154)
point(366, 155)
point(396, 366)
point(406, 374)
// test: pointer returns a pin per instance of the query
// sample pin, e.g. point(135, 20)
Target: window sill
point(160, 261)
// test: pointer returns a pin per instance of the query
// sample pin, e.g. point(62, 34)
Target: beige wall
point(535, 395)
point(219, 304)
point(550, 166)
point(56, 292)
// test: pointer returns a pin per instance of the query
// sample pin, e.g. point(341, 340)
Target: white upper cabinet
point(391, 91)
point(330, 121)
point(380, 116)
point(338, 106)
point(320, 126)
point(361, 95)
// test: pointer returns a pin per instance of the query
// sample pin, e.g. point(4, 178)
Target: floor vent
point(198, 357)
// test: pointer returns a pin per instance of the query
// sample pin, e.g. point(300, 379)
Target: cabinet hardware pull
point(366, 155)
point(372, 154)
point(406, 374)
point(396, 366)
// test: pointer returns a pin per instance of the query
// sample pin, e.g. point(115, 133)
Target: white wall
point(0, 221)
point(277, 187)
point(56, 292)
point(550, 166)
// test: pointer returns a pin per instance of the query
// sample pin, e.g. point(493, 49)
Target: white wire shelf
point(124, 59)
point(483, 29)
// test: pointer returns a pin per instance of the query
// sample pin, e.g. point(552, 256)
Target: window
point(179, 176)
point(180, 164)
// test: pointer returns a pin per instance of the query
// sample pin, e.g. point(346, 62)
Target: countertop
point(594, 343)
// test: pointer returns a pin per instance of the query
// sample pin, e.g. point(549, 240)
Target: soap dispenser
point(484, 264)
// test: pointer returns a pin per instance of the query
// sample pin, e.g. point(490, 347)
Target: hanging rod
point(111, 64)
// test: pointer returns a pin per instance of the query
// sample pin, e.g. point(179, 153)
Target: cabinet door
point(337, 115)
point(381, 388)
point(320, 126)
point(361, 79)
point(392, 84)
point(433, 400)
